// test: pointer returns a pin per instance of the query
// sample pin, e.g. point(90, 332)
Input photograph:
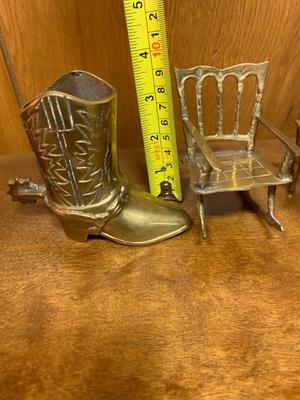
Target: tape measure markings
point(153, 79)
point(148, 47)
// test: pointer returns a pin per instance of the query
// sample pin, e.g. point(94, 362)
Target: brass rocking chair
point(233, 170)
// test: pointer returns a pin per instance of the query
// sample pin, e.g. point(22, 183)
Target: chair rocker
point(231, 170)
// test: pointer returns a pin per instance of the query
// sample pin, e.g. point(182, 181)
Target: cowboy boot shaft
point(74, 139)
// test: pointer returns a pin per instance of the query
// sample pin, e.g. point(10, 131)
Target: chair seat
point(241, 170)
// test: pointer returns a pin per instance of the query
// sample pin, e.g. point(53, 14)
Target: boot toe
point(146, 220)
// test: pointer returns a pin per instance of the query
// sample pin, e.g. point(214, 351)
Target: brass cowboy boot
point(72, 129)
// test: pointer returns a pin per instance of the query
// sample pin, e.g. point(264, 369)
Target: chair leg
point(200, 207)
point(271, 205)
point(268, 216)
point(295, 173)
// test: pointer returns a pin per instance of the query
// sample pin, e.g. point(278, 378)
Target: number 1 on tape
point(149, 52)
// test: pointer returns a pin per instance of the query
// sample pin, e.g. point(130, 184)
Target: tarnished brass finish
point(231, 170)
point(25, 191)
point(72, 129)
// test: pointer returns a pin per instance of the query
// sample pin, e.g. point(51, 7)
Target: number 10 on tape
point(149, 52)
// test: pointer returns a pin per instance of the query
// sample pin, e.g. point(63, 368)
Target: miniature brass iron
point(231, 170)
point(72, 129)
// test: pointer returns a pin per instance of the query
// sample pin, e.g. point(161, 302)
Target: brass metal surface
point(241, 170)
point(214, 171)
point(72, 129)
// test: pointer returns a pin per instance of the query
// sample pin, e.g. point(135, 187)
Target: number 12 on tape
point(149, 52)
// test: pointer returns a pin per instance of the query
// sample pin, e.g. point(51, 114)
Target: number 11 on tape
point(146, 28)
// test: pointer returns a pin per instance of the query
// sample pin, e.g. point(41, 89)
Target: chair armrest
point(281, 136)
point(204, 147)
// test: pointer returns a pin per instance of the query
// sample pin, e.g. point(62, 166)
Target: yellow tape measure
point(149, 52)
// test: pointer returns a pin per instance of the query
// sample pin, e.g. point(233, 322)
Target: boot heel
point(77, 231)
point(76, 234)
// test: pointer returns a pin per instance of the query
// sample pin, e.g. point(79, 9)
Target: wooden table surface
point(183, 319)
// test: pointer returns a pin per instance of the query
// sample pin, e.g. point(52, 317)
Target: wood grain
point(13, 138)
point(47, 38)
point(231, 32)
point(184, 319)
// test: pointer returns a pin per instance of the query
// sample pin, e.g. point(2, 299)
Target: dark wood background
point(45, 39)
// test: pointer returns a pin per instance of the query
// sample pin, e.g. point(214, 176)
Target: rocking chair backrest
point(241, 72)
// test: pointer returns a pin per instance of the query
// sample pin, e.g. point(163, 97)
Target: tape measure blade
point(149, 52)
